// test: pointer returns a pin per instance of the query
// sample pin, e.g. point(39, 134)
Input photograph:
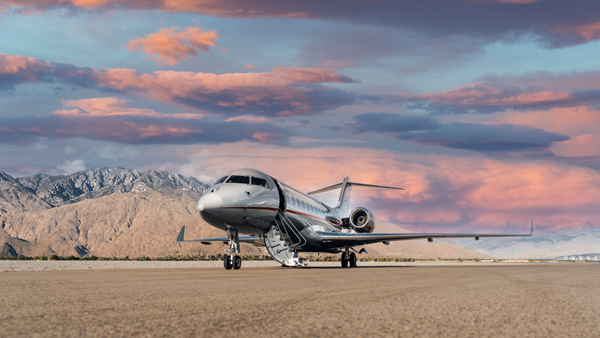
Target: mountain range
point(118, 212)
point(539, 246)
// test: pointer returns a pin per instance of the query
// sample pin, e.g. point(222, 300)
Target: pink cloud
point(311, 75)
point(465, 193)
point(111, 119)
point(246, 118)
point(581, 145)
point(480, 94)
point(531, 91)
point(171, 46)
point(588, 32)
point(250, 67)
point(572, 121)
point(111, 106)
point(282, 92)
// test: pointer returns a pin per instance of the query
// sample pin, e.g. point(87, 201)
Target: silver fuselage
point(252, 209)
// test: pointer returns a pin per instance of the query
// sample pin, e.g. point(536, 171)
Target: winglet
point(181, 233)
point(531, 230)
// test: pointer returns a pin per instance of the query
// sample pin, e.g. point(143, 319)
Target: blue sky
point(486, 110)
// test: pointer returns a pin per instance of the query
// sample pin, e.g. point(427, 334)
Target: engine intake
point(362, 220)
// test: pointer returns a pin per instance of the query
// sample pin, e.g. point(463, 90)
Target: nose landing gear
point(234, 261)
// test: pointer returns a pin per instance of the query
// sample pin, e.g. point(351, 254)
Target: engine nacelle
point(362, 220)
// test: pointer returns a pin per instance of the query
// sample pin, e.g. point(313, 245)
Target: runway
point(560, 300)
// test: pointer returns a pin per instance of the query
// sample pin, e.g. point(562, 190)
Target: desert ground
point(527, 300)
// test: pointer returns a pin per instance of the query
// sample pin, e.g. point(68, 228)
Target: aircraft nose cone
point(210, 201)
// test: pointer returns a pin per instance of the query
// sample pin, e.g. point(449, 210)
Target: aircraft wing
point(337, 239)
point(255, 240)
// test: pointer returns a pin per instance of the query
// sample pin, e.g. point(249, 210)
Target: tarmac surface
point(554, 300)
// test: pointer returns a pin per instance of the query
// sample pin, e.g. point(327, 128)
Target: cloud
point(479, 137)
point(533, 91)
point(338, 64)
point(111, 106)
point(487, 20)
point(249, 66)
point(282, 92)
point(105, 119)
point(115, 152)
point(171, 47)
point(443, 193)
point(39, 146)
point(69, 167)
point(391, 123)
point(579, 146)
point(248, 118)
point(130, 130)
point(483, 137)
point(69, 149)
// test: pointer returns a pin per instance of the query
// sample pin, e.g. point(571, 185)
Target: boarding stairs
point(281, 245)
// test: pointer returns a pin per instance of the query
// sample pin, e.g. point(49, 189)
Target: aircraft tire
point(353, 260)
point(227, 262)
point(237, 262)
point(344, 261)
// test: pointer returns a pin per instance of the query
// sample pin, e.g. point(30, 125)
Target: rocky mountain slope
point(121, 212)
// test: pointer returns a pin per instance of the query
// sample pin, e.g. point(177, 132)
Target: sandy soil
point(560, 300)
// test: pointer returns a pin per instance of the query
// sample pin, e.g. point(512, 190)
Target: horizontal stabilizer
point(339, 185)
point(181, 234)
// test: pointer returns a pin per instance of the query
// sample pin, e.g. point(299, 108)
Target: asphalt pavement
point(553, 300)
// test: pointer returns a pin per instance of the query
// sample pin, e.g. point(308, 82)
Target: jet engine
point(362, 220)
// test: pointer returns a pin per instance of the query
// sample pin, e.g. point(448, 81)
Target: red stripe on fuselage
point(290, 211)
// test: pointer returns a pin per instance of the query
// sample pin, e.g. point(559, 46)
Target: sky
point(487, 112)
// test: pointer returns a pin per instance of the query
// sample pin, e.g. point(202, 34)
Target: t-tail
point(343, 206)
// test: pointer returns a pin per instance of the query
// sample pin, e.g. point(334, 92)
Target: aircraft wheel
point(353, 260)
point(237, 262)
point(227, 262)
point(344, 261)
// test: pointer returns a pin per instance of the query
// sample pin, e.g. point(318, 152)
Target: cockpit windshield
point(221, 180)
point(239, 179)
point(259, 181)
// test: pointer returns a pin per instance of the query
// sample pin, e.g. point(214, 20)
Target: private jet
point(255, 208)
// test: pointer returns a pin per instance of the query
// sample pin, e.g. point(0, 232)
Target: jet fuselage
point(249, 201)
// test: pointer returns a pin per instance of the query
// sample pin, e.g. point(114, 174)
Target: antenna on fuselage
point(344, 199)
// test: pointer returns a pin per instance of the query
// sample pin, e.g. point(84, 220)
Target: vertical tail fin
point(344, 199)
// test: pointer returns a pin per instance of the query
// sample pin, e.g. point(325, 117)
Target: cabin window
point(304, 206)
point(259, 181)
point(239, 179)
point(221, 180)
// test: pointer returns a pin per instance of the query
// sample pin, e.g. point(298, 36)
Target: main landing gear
point(234, 261)
point(349, 258)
